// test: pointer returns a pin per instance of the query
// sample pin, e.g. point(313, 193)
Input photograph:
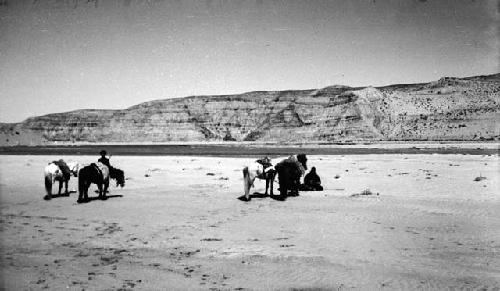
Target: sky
point(63, 55)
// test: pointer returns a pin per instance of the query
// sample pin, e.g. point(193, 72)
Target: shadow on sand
point(46, 197)
point(261, 195)
point(97, 198)
point(106, 198)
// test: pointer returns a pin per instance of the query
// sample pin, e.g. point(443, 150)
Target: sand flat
point(173, 226)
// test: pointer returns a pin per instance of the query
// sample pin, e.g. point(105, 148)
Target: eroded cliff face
point(448, 109)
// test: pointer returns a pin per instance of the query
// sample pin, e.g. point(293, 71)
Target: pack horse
point(61, 172)
point(261, 169)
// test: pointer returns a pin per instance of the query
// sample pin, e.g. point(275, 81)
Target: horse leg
point(86, 192)
point(81, 189)
point(268, 184)
point(82, 192)
point(296, 186)
point(105, 190)
point(80, 196)
point(271, 183)
point(66, 185)
point(283, 191)
point(99, 185)
point(60, 187)
point(48, 187)
point(283, 186)
point(285, 181)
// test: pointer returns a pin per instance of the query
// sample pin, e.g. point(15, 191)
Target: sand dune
point(178, 225)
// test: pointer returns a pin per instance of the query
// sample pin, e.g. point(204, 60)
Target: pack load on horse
point(261, 169)
point(56, 171)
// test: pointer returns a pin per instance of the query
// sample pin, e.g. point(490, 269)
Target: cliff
point(447, 109)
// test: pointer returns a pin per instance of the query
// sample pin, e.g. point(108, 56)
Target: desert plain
point(432, 222)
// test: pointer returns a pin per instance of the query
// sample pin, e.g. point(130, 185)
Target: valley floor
point(177, 224)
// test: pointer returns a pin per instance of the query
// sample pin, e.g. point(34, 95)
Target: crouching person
point(312, 182)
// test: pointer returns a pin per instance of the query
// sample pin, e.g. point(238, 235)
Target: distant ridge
point(460, 109)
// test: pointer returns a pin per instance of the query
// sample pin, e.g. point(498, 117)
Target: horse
point(96, 173)
point(118, 175)
point(53, 173)
point(261, 169)
point(289, 172)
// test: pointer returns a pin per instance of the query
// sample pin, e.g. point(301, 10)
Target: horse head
point(74, 167)
point(265, 162)
point(118, 175)
point(303, 160)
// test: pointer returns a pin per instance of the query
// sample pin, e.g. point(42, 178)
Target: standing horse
point(261, 169)
point(56, 171)
point(289, 172)
point(98, 174)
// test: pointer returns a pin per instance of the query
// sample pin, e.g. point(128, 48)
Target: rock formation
point(447, 109)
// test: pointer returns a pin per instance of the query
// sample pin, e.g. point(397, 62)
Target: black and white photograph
point(294, 145)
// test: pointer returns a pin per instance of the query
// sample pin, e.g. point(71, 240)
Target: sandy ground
point(177, 225)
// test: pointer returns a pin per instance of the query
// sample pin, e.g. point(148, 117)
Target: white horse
point(53, 173)
point(261, 169)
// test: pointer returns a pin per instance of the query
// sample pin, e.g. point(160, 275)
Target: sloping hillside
point(447, 109)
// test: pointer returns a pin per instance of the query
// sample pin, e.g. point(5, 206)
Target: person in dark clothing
point(312, 182)
point(103, 159)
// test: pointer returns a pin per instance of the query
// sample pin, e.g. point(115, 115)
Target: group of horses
point(288, 170)
point(95, 173)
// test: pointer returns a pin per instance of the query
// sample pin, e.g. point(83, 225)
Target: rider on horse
point(103, 159)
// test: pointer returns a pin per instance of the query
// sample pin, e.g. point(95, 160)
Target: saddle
point(95, 166)
point(266, 163)
point(63, 167)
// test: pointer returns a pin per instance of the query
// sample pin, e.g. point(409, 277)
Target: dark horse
point(289, 172)
point(98, 174)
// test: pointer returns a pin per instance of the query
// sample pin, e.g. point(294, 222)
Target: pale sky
point(56, 56)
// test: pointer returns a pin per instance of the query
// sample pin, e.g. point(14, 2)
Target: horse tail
point(48, 183)
point(246, 179)
point(246, 174)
